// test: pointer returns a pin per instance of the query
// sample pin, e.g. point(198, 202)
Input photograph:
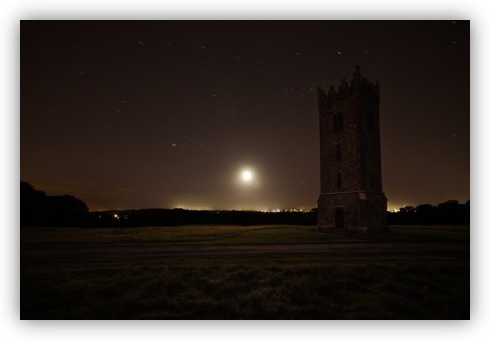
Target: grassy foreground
point(389, 286)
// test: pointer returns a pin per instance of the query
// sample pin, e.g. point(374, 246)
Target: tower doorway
point(339, 217)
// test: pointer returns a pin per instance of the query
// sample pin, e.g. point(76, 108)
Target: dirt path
point(84, 253)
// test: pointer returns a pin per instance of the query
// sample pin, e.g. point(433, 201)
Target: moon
point(247, 175)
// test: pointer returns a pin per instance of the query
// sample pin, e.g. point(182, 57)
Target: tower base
point(352, 212)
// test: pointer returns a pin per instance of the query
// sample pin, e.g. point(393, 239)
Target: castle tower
point(351, 196)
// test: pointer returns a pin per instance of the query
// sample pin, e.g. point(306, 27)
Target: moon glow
point(247, 176)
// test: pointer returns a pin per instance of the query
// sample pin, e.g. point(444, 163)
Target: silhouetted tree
point(407, 209)
point(449, 212)
point(67, 209)
point(36, 208)
point(466, 211)
point(32, 205)
point(425, 214)
point(408, 214)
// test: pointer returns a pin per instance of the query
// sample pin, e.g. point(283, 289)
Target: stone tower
point(351, 196)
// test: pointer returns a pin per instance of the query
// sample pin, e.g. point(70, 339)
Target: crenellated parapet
point(358, 85)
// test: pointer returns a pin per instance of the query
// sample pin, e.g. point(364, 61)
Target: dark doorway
point(339, 217)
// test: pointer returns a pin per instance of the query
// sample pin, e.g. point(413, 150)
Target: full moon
point(246, 175)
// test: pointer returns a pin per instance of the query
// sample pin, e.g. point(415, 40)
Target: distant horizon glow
point(391, 207)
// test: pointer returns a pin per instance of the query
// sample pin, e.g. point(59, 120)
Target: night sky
point(165, 114)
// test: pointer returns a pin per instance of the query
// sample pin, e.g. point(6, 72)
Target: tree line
point(449, 212)
point(39, 209)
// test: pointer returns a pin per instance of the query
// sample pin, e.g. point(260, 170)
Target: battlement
point(357, 85)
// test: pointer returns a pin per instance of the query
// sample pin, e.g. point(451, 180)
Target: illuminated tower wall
point(351, 195)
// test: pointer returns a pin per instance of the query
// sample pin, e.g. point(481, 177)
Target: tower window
point(338, 122)
point(337, 152)
point(339, 180)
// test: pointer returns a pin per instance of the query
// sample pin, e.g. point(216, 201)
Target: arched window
point(339, 180)
point(338, 122)
point(338, 155)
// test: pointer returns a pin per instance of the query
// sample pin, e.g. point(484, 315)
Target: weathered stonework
point(351, 197)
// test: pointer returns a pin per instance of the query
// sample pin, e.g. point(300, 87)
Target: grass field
point(377, 286)
point(233, 235)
